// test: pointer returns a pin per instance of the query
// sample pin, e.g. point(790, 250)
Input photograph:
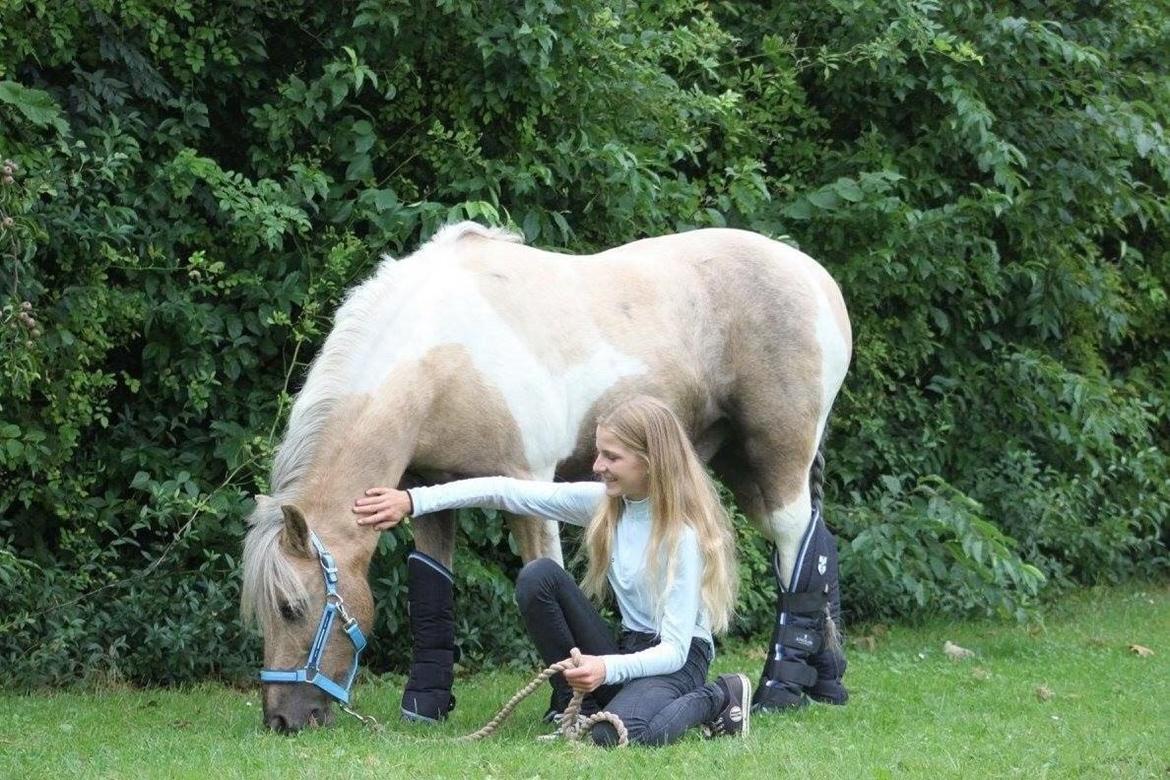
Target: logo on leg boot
point(822, 564)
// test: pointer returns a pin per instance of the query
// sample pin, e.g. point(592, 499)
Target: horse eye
point(289, 612)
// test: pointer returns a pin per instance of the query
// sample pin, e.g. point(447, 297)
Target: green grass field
point(1068, 698)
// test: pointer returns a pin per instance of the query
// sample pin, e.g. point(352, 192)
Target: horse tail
point(816, 487)
point(816, 475)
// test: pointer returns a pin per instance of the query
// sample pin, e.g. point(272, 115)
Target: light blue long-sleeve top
point(682, 617)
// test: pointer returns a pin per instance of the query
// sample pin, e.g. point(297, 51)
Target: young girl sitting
point(656, 532)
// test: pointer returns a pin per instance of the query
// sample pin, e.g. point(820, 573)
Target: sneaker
point(553, 714)
point(557, 701)
point(735, 719)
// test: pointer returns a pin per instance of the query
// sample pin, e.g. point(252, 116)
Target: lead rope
point(570, 728)
point(367, 720)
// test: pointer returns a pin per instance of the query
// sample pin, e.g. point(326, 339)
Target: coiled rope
point(572, 727)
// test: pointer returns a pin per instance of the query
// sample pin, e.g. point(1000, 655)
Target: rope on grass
point(570, 728)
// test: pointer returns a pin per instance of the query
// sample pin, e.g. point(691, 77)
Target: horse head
point(313, 604)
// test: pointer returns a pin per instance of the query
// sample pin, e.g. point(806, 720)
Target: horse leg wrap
point(805, 656)
point(427, 695)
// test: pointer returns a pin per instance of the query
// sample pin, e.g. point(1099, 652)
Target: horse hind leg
point(804, 655)
point(536, 538)
point(829, 660)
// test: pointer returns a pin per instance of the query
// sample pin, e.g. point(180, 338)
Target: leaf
point(359, 168)
point(799, 209)
point(848, 190)
point(1043, 693)
point(1141, 651)
point(385, 199)
point(36, 105)
point(824, 199)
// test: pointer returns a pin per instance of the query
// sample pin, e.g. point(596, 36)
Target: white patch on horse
point(786, 527)
point(835, 353)
point(547, 405)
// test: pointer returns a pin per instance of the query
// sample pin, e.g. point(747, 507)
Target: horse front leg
point(427, 695)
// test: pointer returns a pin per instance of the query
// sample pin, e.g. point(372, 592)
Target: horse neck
point(364, 447)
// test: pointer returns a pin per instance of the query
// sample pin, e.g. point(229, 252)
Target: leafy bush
point(195, 187)
point(928, 551)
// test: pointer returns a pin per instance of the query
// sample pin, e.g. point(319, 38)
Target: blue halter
point(334, 606)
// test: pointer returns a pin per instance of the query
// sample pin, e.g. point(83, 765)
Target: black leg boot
point(829, 661)
point(427, 696)
point(804, 643)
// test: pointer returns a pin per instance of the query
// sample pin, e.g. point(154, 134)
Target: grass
point(1065, 698)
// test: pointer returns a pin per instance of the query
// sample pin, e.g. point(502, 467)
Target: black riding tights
point(655, 710)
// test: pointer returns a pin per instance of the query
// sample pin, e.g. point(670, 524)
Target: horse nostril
point(316, 718)
point(277, 723)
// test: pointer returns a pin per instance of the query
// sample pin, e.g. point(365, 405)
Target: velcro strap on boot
point(799, 638)
point(804, 603)
point(791, 671)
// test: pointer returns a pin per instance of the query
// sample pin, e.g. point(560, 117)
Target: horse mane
point(452, 233)
point(269, 578)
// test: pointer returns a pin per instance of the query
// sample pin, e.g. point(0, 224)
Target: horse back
point(701, 319)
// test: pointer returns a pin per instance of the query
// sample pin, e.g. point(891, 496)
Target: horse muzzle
point(291, 708)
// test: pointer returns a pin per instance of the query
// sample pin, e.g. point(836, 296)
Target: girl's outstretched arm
point(564, 502)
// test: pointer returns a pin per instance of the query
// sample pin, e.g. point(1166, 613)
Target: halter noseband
point(334, 606)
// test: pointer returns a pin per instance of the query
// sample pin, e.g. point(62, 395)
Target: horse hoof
point(415, 717)
point(777, 697)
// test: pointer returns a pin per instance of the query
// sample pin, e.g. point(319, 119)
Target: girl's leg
point(559, 617)
point(658, 710)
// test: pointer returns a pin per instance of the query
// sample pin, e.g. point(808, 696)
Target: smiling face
point(623, 471)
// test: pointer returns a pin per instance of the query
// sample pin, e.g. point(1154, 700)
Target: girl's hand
point(587, 676)
point(383, 508)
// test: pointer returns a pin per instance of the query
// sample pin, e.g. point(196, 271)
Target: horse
point(478, 355)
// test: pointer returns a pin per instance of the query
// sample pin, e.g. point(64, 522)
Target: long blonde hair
point(681, 493)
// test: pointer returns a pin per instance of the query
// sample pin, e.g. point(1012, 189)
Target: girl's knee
point(536, 576)
point(604, 735)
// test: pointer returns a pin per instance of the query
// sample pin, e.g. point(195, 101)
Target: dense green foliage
point(194, 185)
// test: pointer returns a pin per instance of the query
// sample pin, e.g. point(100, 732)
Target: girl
point(656, 532)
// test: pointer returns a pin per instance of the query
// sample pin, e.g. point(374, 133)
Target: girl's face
point(622, 471)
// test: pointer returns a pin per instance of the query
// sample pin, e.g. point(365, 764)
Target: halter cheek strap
point(334, 608)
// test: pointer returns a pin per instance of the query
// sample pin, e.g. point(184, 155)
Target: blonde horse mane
point(269, 579)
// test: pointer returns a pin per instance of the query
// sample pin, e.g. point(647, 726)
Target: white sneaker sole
point(745, 704)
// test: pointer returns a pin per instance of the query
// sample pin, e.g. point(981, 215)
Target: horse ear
point(296, 531)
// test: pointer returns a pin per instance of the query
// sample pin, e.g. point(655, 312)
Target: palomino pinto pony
point(480, 356)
